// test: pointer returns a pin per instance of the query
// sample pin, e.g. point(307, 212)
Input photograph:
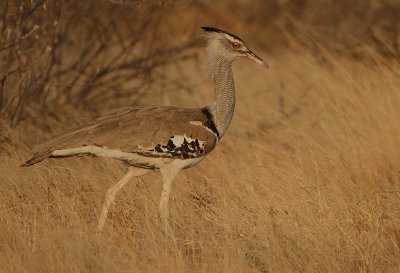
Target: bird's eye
point(236, 45)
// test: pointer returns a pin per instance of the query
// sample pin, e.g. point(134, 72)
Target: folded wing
point(168, 132)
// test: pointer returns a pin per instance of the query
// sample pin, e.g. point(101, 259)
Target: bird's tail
point(36, 158)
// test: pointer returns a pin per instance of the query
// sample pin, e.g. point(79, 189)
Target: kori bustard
point(159, 137)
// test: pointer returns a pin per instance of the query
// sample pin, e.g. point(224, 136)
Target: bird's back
point(151, 131)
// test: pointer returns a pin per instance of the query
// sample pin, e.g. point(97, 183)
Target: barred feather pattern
point(219, 70)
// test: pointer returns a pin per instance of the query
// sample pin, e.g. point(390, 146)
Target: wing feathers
point(148, 131)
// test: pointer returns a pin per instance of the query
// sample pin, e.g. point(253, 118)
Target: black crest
point(212, 29)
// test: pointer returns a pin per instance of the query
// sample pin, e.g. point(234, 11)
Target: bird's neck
point(221, 76)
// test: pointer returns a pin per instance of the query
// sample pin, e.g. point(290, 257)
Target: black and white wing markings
point(178, 146)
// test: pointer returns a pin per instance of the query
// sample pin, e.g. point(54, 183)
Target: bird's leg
point(111, 192)
point(168, 174)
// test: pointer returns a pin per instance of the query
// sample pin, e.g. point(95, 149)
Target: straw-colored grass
point(307, 179)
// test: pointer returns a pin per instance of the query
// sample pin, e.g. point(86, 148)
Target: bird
point(164, 138)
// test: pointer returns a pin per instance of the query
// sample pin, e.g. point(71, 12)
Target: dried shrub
point(80, 54)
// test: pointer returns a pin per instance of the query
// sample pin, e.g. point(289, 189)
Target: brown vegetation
point(307, 178)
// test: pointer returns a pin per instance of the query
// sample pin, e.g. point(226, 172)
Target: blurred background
point(307, 179)
point(83, 54)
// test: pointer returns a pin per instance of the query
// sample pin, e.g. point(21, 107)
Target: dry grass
point(307, 179)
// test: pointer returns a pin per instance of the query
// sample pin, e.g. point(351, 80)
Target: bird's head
point(228, 46)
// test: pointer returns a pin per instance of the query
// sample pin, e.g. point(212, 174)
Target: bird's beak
point(252, 56)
